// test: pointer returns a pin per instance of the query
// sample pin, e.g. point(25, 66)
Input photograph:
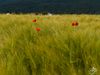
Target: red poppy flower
point(38, 29)
point(34, 20)
point(75, 23)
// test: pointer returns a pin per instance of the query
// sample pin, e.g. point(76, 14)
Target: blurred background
point(51, 6)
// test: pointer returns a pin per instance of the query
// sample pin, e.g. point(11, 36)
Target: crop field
point(49, 44)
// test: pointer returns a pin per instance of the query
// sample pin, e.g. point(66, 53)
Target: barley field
point(50, 45)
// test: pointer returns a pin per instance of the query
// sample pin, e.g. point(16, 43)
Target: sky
point(49, 5)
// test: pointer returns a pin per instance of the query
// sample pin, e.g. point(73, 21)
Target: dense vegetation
point(57, 49)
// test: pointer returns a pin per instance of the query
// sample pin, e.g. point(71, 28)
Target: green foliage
point(57, 49)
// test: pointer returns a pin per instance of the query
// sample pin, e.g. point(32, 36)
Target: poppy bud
point(38, 29)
